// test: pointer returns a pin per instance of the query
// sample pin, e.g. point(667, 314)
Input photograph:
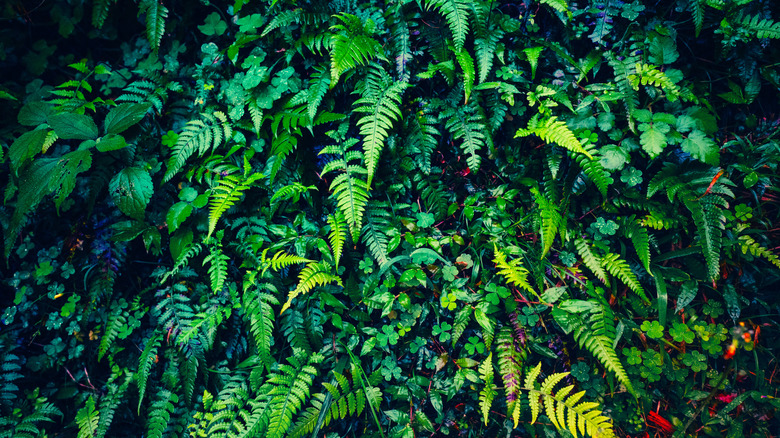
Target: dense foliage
point(410, 218)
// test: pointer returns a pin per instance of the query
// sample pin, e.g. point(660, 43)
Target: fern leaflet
point(337, 234)
point(314, 274)
point(226, 194)
point(456, 12)
point(552, 130)
point(87, 419)
point(488, 393)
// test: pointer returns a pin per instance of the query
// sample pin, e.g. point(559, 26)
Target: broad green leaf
point(34, 113)
point(178, 213)
point(124, 116)
point(26, 146)
point(69, 126)
point(688, 291)
point(131, 190)
point(63, 180)
point(701, 147)
point(653, 140)
point(110, 142)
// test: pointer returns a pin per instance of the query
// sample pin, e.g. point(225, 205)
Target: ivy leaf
point(701, 147)
point(69, 126)
point(213, 25)
point(131, 190)
point(124, 116)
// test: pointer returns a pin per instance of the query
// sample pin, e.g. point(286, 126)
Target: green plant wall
point(398, 219)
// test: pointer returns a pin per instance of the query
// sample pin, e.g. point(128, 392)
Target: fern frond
point(488, 393)
point(290, 389)
point(87, 419)
point(619, 268)
point(145, 363)
point(648, 74)
point(351, 193)
point(697, 10)
point(117, 320)
point(710, 222)
point(226, 194)
point(100, 12)
point(486, 39)
point(377, 224)
point(623, 69)
point(552, 221)
point(552, 130)
point(337, 234)
point(218, 262)
point(291, 191)
point(156, 13)
point(511, 358)
point(749, 245)
point(760, 27)
point(109, 404)
point(456, 12)
point(341, 401)
point(422, 137)
point(460, 323)
point(592, 261)
point(314, 274)
point(160, 413)
point(633, 229)
point(466, 124)
point(352, 45)
point(281, 260)
point(283, 143)
point(198, 136)
point(594, 170)
point(512, 271)
point(466, 63)
point(319, 84)
point(380, 101)
point(564, 410)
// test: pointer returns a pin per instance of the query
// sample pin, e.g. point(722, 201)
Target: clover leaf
point(388, 336)
point(681, 333)
point(442, 331)
point(696, 361)
point(654, 330)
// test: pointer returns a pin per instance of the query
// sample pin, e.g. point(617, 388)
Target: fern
point(563, 409)
point(314, 274)
point(290, 389)
point(619, 268)
point(511, 358)
point(160, 413)
point(488, 393)
point(648, 74)
point(226, 194)
point(349, 189)
point(352, 45)
point(27, 427)
point(217, 261)
point(432, 193)
point(9, 373)
point(462, 319)
point(749, 245)
point(512, 271)
point(319, 83)
point(87, 419)
point(552, 221)
point(117, 321)
point(109, 403)
point(341, 400)
point(281, 260)
point(486, 38)
point(422, 136)
point(697, 10)
point(633, 229)
point(760, 27)
point(145, 362)
point(464, 123)
point(591, 260)
point(623, 70)
point(100, 12)
point(594, 170)
point(337, 234)
point(380, 101)
point(198, 136)
point(457, 13)
point(260, 317)
point(552, 130)
point(156, 13)
point(375, 232)
point(466, 63)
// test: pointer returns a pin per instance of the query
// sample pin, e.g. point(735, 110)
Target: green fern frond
point(218, 263)
point(198, 136)
point(760, 27)
point(466, 124)
point(488, 393)
point(291, 191)
point(648, 74)
point(337, 234)
point(110, 402)
point(377, 224)
point(749, 245)
point(319, 84)
point(9, 372)
point(486, 38)
point(87, 419)
point(160, 413)
point(460, 323)
point(466, 63)
point(552, 221)
point(283, 143)
point(156, 13)
point(457, 13)
point(226, 194)
point(314, 274)
point(281, 260)
point(564, 410)
point(422, 137)
point(619, 268)
point(100, 12)
point(433, 194)
point(145, 363)
point(117, 320)
point(710, 221)
point(623, 69)
point(352, 45)
point(341, 400)
point(282, 19)
point(290, 388)
point(351, 193)
point(559, 5)
point(27, 427)
point(592, 261)
point(552, 130)
point(594, 170)
point(260, 317)
point(633, 229)
point(380, 101)
point(512, 271)
point(511, 358)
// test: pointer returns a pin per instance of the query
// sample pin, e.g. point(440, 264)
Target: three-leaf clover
point(390, 368)
point(743, 212)
point(654, 330)
point(695, 360)
point(442, 331)
point(425, 220)
point(631, 176)
point(681, 333)
point(634, 356)
point(388, 336)
point(475, 344)
point(581, 371)
point(417, 344)
point(213, 25)
point(449, 301)
point(366, 265)
point(607, 228)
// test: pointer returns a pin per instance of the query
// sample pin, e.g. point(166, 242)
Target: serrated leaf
point(110, 142)
point(124, 116)
point(653, 141)
point(178, 213)
point(131, 189)
point(26, 147)
point(701, 147)
point(69, 126)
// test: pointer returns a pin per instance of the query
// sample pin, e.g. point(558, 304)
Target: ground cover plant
point(389, 219)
